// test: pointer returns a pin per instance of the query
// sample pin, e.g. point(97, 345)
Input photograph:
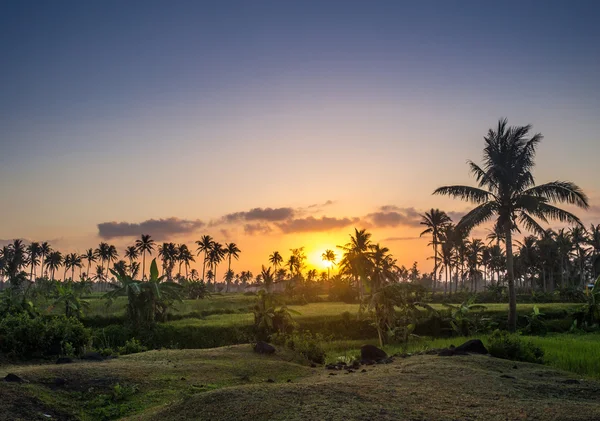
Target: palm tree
point(215, 256)
point(564, 246)
point(185, 257)
point(276, 260)
point(330, 257)
point(267, 277)
point(91, 256)
point(111, 256)
point(508, 192)
point(475, 249)
point(529, 254)
point(102, 252)
point(45, 250)
point(579, 238)
point(231, 250)
point(72, 261)
point(447, 255)
point(204, 246)
point(355, 260)
point(54, 261)
point(145, 245)
point(34, 251)
point(434, 220)
point(131, 253)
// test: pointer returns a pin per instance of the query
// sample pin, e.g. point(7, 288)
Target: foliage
point(132, 346)
point(341, 289)
point(268, 319)
point(589, 315)
point(68, 294)
point(195, 290)
point(23, 336)
point(535, 322)
point(467, 317)
point(502, 344)
point(305, 343)
point(147, 301)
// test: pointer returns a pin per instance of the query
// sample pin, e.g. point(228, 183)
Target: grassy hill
point(233, 383)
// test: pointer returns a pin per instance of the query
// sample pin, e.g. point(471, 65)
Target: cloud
point(320, 205)
point(311, 223)
point(257, 228)
point(403, 238)
point(158, 228)
point(456, 215)
point(225, 233)
point(392, 216)
point(259, 214)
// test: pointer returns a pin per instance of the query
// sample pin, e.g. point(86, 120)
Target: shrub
point(23, 336)
point(305, 344)
point(502, 344)
point(132, 346)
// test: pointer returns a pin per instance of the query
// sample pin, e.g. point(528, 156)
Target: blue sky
point(129, 111)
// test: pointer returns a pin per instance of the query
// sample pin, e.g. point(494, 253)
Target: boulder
point(264, 348)
point(372, 353)
point(13, 378)
point(64, 360)
point(474, 346)
point(92, 356)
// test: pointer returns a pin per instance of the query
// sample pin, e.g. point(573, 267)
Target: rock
point(371, 352)
point(363, 371)
point(264, 348)
point(60, 381)
point(515, 367)
point(571, 381)
point(355, 365)
point(506, 376)
point(331, 367)
point(289, 380)
point(64, 360)
point(350, 371)
point(13, 378)
point(367, 362)
point(92, 356)
point(270, 381)
point(474, 346)
point(313, 365)
point(332, 374)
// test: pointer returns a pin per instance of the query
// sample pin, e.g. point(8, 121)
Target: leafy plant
point(535, 322)
point(268, 319)
point(502, 344)
point(466, 318)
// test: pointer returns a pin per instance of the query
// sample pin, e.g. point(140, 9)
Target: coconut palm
point(72, 261)
point(231, 250)
point(111, 256)
point(33, 251)
point(267, 277)
point(434, 220)
point(45, 250)
point(474, 254)
point(355, 261)
point(530, 257)
point(580, 238)
point(186, 257)
point(53, 262)
point(145, 245)
point(204, 246)
point(508, 192)
point(329, 257)
point(131, 253)
point(91, 256)
point(215, 256)
point(564, 247)
point(102, 252)
point(276, 260)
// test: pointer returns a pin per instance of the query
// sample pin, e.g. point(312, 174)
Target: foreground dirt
point(232, 384)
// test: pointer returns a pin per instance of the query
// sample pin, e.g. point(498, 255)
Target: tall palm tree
point(102, 252)
point(111, 256)
point(204, 245)
point(434, 220)
point(355, 260)
point(54, 261)
point(185, 257)
point(231, 250)
point(475, 249)
point(34, 251)
point(276, 260)
point(580, 238)
point(329, 257)
point(508, 192)
point(267, 277)
point(132, 253)
point(72, 261)
point(215, 256)
point(447, 254)
point(45, 250)
point(91, 256)
point(564, 246)
point(529, 254)
point(145, 245)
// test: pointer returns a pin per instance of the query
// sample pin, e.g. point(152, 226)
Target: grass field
point(230, 383)
point(577, 353)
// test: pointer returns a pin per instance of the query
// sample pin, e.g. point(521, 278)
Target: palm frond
point(561, 191)
point(552, 212)
point(479, 215)
point(467, 193)
point(530, 224)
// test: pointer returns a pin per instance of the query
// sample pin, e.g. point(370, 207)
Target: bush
point(305, 344)
point(132, 346)
point(502, 344)
point(23, 336)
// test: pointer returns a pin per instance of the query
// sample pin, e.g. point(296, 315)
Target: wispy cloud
point(311, 223)
point(393, 216)
point(403, 238)
point(158, 228)
point(258, 214)
point(257, 228)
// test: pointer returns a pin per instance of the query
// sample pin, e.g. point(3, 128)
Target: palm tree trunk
point(143, 264)
point(512, 295)
point(435, 264)
point(204, 266)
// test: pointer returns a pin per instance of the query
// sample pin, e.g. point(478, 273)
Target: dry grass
point(230, 384)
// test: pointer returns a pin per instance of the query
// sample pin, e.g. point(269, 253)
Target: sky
point(279, 124)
